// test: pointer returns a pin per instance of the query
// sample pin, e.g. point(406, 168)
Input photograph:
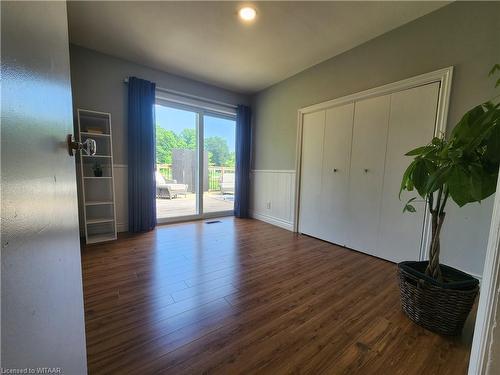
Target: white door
point(313, 132)
point(411, 124)
point(42, 299)
point(336, 159)
point(371, 119)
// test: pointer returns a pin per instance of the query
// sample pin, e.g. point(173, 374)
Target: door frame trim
point(488, 298)
point(443, 76)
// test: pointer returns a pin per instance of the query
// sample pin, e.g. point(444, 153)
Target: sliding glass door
point(219, 145)
point(176, 162)
point(192, 181)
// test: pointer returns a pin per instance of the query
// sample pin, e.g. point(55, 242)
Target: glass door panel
point(177, 170)
point(219, 167)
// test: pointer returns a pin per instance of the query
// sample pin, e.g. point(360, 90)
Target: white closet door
point(313, 131)
point(371, 118)
point(336, 158)
point(411, 124)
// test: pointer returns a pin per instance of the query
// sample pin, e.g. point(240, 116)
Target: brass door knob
point(89, 146)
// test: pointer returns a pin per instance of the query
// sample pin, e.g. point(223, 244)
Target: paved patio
point(183, 206)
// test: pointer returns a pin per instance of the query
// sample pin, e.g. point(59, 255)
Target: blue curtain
point(243, 144)
point(141, 155)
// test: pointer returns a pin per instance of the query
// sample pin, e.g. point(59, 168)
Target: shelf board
point(96, 178)
point(96, 156)
point(99, 221)
point(94, 238)
point(88, 134)
point(98, 203)
point(91, 113)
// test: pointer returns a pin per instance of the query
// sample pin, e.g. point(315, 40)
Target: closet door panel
point(336, 158)
point(313, 132)
point(411, 124)
point(371, 118)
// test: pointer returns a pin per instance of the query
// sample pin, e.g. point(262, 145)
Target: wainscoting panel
point(272, 197)
point(121, 196)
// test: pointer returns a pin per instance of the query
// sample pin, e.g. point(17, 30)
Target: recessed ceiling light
point(247, 14)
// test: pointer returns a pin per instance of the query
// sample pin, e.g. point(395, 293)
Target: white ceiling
point(207, 42)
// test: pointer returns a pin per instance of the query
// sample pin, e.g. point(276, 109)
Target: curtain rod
point(189, 96)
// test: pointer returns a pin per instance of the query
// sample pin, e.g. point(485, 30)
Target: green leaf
point(475, 128)
point(406, 183)
point(493, 145)
point(476, 182)
point(436, 141)
point(437, 179)
point(459, 186)
point(494, 69)
point(420, 176)
point(464, 126)
point(482, 183)
point(418, 151)
point(409, 208)
point(455, 154)
point(489, 106)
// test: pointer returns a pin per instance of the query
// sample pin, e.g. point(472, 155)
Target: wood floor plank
point(245, 297)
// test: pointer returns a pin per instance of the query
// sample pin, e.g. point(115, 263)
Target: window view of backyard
point(177, 163)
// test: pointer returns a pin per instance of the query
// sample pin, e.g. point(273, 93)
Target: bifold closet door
point(371, 120)
point(336, 158)
point(313, 132)
point(411, 124)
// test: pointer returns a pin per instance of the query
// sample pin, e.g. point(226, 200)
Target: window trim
point(195, 103)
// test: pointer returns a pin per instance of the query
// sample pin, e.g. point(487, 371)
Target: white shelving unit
point(97, 193)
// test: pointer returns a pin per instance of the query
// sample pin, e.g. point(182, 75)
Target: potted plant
point(97, 170)
point(463, 168)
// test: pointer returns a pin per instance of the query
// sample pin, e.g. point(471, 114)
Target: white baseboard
point(121, 227)
point(272, 220)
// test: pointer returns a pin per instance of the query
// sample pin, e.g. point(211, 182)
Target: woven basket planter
point(439, 307)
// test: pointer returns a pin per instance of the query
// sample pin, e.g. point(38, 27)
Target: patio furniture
point(169, 188)
point(227, 184)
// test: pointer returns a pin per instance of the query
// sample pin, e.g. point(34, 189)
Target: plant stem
point(438, 202)
point(433, 270)
point(446, 193)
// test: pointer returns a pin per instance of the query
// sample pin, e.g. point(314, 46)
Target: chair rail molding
point(272, 196)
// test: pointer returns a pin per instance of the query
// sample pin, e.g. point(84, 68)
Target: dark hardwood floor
point(242, 296)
